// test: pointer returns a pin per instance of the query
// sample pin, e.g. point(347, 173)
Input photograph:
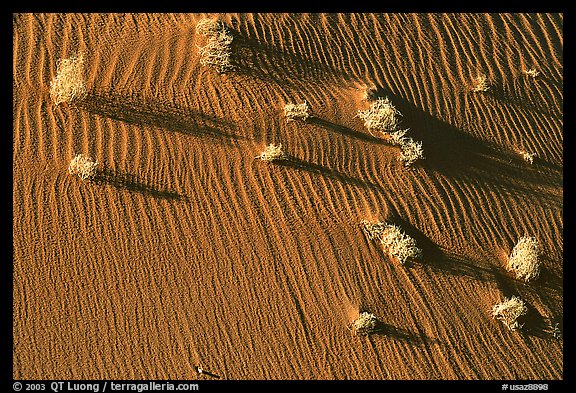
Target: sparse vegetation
point(297, 111)
point(68, 85)
point(531, 72)
point(83, 166)
point(481, 83)
point(365, 324)
point(397, 137)
point(382, 116)
point(396, 242)
point(509, 311)
point(556, 332)
point(210, 27)
point(218, 50)
point(410, 151)
point(272, 153)
point(524, 260)
point(528, 157)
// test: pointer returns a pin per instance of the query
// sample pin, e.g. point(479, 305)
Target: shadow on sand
point(130, 182)
point(345, 131)
point(255, 58)
point(298, 164)
point(168, 116)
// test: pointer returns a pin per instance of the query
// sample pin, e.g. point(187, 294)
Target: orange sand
point(192, 251)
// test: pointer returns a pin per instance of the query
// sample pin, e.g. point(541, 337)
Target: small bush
point(83, 166)
point(210, 27)
point(531, 72)
point(523, 260)
point(365, 324)
point(509, 311)
point(218, 50)
point(272, 153)
point(410, 151)
point(481, 83)
point(382, 116)
point(397, 243)
point(297, 111)
point(528, 157)
point(68, 85)
point(397, 137)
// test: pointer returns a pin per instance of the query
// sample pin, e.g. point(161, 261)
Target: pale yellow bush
point(397, 137)
point(210, 27)
point(83, 166)
point(509, 311)
point(396, 242)
point(218, 49)
point(297, 111)
point(481, 83)
point(523, 260)
point(531, 72)
point(365, 324)
point(272, 153)
point(68, 85)
point(528, 157)
point(382, 116)
point(410, 151)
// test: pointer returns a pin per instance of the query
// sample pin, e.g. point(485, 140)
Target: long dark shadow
point(397, 333)
point(299, 164)
point(204, 372)
point(499, 93)
point(458, 155)
point(130, 182)
point(345, 130)
point(536, 324)
point(163, 115)
point(256, 58)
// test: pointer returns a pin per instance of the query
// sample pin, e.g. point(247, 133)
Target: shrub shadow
point(208, 373)
point(264, 61)
point(130, 182)
point(500, 94)
point(162, 115)
point(296, 163)
point(536, 324)
point(396, 333)
point(437, 258)
point(345, 131)
point(458, 155)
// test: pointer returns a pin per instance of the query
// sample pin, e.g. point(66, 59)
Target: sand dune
point(188, 250)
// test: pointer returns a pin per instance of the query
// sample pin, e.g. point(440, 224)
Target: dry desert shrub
point(365, 324)
point(509, 311)
point(397, 137)
point(297, 111)
point(532, 72)
point(410, 151)
point(83, 166)
point(382, 116)
point(396, 242)
point(272, 153)
point(481, 83)
point(209, 26)
point(523, 260)
point(528, 157)
point(68, 85)
point(556, 332)
point(218, 50)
